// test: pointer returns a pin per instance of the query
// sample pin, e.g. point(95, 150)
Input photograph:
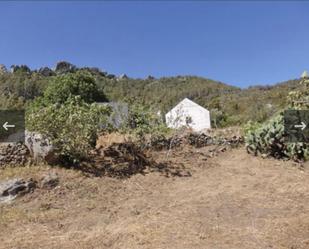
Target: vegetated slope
point(168, 91)
point(229, 105)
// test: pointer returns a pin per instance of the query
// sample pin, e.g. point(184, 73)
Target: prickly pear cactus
point(269, 139)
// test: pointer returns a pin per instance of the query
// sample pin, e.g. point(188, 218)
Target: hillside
point(229, 105)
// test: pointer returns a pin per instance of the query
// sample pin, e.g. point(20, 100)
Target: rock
point(46, 71)
point(14, 68)
point(64, 67)
point(94, 70)
point(199, 139)
point(21, 68)
point(150, 77)
point(123, 76)
point(3, 69)
point(40, 148)
point(49, 181)
point(10, 189)
point(110, 76)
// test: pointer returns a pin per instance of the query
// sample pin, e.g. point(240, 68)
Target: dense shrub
point(143, 121)
point(73, 84)
point(71, 126)
point(66, 116)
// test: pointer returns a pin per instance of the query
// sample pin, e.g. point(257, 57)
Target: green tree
point(72, 126)
point(69, 85)
point(67, 115)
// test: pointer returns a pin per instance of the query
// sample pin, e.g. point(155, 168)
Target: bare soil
point(233, 200)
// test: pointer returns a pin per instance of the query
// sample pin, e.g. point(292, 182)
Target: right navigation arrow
point(302, 126)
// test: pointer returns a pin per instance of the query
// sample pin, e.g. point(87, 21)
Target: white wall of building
point(186, 111)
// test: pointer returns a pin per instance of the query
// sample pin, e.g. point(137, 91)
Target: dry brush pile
point(124, 158)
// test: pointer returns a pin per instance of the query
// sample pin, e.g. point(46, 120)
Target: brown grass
point(230, 201)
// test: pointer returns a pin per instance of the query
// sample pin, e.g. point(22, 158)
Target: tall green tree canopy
point(73, 84)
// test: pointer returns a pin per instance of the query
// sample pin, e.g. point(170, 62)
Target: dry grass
point(231, 201)
point(23, 172)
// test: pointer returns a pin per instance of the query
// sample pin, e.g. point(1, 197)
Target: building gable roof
point(188, 104)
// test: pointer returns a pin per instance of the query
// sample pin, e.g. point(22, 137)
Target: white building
point(189, 114)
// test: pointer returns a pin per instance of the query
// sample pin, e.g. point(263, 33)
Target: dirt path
point(232, 201)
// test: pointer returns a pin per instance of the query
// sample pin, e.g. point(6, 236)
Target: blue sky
point(240, 43)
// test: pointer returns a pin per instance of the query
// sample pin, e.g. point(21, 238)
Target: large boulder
point(111, 76)
point(150, 77)
point(3, 69)
point(63, 67)
point(40, 147)
point(21, 68)
point(123, 77)
point(10, 189)
point(49, 181)
point(94, 70)
point(46, 71)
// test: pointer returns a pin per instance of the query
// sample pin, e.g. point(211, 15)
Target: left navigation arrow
point(6, 125)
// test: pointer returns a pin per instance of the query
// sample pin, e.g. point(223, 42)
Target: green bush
point(73, 84)
point(72, 126)
point(66, 116)
point(143, 121)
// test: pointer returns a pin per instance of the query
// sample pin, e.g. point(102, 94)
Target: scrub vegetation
point(229, 105)
point(61, 104)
